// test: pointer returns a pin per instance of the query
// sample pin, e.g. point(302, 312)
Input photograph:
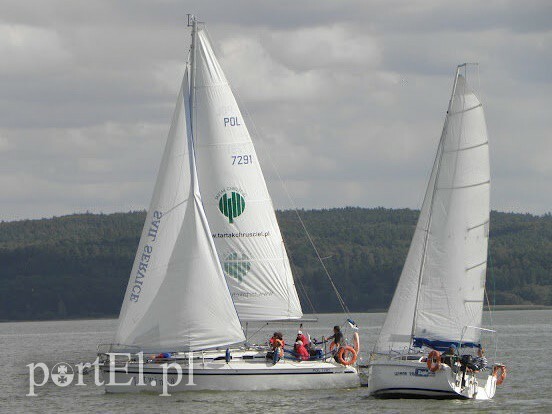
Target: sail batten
point(469, 148)
point(435, 302)
point(465, 110)
point(465, 186)
point(476, 266)
point(224, 144)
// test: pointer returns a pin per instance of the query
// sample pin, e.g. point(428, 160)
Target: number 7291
point(242, 159)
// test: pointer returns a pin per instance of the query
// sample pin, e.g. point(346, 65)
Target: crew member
point(337, 340)
point(450, 355)
point(300, 351)
point(277, 345)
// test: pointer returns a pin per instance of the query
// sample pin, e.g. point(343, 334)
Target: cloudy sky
point(347, 97)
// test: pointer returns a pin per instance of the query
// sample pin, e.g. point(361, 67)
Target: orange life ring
point(356, 342)
point(434, 361)
point(499, 372)
point(346, 355)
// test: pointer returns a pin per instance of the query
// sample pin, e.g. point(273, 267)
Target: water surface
point(523, 338)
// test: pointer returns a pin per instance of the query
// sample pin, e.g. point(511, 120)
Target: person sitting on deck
point(277, 345)
point(450, 355)
point(304, 339)
point(480, 361)
point(300, 351)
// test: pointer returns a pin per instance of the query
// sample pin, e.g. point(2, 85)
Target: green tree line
point(78, 266)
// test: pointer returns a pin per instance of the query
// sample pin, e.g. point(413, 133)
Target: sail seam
point(465, 186)
point(465, 110)
point(468, 148)
point(212, 86)
point(479, 225)
point(269, 259)
point(224, 144)
point(477, 265)
point(249, 201)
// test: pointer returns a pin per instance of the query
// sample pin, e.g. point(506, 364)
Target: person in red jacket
point(301, 337)
point(300, 351)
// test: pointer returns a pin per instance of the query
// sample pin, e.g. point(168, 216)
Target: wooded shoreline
point(77, 266)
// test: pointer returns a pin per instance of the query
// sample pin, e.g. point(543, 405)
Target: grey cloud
point(348, 98)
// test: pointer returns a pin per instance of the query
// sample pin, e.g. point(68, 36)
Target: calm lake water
point(523, 337)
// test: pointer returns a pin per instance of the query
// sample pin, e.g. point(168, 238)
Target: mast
point(192, 104)
point(192, 22)
point(435, 183)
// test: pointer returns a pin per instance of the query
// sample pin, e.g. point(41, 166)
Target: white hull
point(255, 374)
point(400, 378)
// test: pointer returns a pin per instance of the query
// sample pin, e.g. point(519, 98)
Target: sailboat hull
point(400, 378)
point(239, 377)
point(250, 374)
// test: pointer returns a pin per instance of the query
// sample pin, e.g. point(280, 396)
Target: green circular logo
point(231, 205)
point(236, 266)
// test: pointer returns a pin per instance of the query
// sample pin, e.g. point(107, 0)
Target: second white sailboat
point(438, 302)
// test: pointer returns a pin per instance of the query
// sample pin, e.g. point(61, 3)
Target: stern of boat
point(409, 377)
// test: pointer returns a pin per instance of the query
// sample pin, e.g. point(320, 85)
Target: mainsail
point(177, 297)
point(236, 200)
point(439, 298)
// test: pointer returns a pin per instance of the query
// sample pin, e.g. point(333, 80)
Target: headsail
point(396, 333)
point(439, 297)
point(236, 199)
point(177, 297)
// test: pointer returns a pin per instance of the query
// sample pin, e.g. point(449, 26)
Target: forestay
point(177, 297)
point(236, 200)
point(440, 293)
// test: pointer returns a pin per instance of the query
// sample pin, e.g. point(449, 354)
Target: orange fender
point(356, 342)
point(499, 372)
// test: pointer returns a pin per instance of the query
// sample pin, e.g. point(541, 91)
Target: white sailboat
point(439, 297)
point(211, 256)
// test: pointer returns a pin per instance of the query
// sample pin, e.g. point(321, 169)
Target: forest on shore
point(77, 266)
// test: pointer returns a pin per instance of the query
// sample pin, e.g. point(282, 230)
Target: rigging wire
point(304, 292)
point(491, 307)
point(256, 332)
